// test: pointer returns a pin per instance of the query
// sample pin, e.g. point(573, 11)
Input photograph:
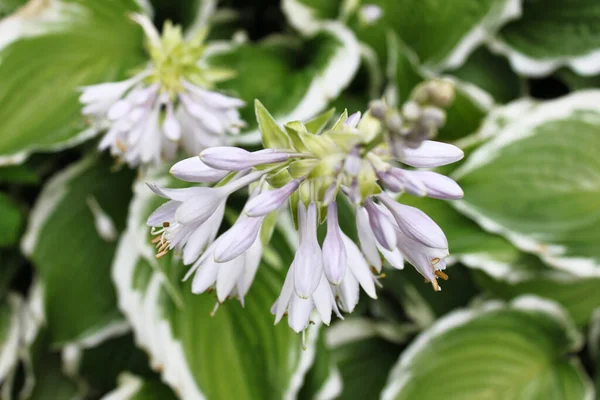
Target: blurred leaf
point(10, 331)
point(442, 33)
point(50, 381)
point(47, 55)
point(22, 174)
point(552, 33)
point(516, 351)
point(536, 181)
point(12, 261)
point(501, 268)
point(578, 82)
point(491, 73)
point(191, 14)
point(293, 82)
point(135, 388)
point(579, 296)
point(237, 353)
point(323, 380)
point(101, 365)
point(363, 358)
point(72, 259)
point(467, 111)
point(7, 7)
point(11, 221)
point(406, 292)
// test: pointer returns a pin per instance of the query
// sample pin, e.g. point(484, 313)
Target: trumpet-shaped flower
point(170, 104)
point(352, 163)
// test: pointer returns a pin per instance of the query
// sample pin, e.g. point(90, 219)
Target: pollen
point(442, 275)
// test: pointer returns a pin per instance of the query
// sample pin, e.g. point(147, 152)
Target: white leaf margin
point(9, 347)
point(401, 372)
point(153, 333)
point(53, 192)
point(326, 85)
point(302, 18)
point(584, 64)
point(511, 124)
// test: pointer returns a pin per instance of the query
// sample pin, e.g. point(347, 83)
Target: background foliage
point(89, 315)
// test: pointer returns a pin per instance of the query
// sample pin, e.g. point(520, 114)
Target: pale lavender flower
point(163, 108)
point(313, 178)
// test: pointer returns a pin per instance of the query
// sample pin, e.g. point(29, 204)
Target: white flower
point(351, 160)
point(169, 105)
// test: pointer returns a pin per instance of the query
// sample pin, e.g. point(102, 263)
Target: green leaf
point(46, 56)
point(405, 295)
point(323, 380)
point(579, 296)
point(21, 174)
point(363, 357)
point(520, 350)
point(536, 181)
point(101, 365)
point(11, 220)
point(467, 111)
point(7, 7)
point(578, 82)
point(318, 123)
point(442, 33)
point(10, 334)
point(553, 33)
point(273, 136)
point(65, 246)
point(491, 73)
point(50, 381)
point(500, 268)
point(237, 353)
point(269, 70)
point(132, 387)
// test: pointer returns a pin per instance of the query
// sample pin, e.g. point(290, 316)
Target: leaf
point(191, 14)
point(101, 365)
point(11, 220)
point(270, 71)
point(502, 269)
point(578, 82)
point(551, 34)
point(467, 111)
point(50, 381)
point(491, 73)
point(49, 52)
point(536, 182)
point(10, 332)
point(323, 380)
point(519, 350)
point(237, 353)
point(363, 357)
point(579, 296)
point(21, 174)
point(273, 136)
point(72, 259)
point(132, 387)
point(317, 124)
point(442, 33)
point(7, 7)
point(406, 297)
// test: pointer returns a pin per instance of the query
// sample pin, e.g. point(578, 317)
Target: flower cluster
point(312, 169)
point(167, 105)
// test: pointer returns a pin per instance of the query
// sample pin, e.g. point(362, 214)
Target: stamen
point(166, 224)
point(215, 308)
point(435, 261)
point(435, 285)
point(121, 146)
point(441, 274)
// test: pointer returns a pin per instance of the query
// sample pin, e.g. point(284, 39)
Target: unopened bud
point(441, 93)
point(378, 109)
point(411, 111)
point(433, 117)
point(394, 122)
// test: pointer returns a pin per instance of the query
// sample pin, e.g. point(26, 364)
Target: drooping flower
point(170, 104)
point(356, 163)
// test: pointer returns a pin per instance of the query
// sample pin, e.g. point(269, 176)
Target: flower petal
point(431, 154)
point(194, 170)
